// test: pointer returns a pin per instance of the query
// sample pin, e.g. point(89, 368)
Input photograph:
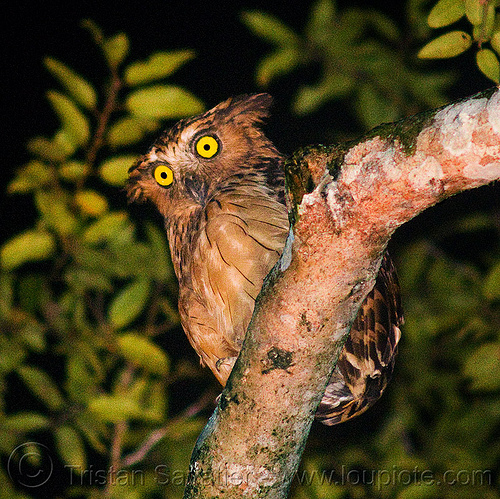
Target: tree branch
point(346, 202)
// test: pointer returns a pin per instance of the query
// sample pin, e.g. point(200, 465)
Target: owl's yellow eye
point(164, 175)
point(207, 146)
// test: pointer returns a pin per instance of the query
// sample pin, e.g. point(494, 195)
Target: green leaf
point(130, 130)
point(25, 422)
point(70, 447)
point(430, 90)
point(74, 122)
point(73, 171)
point(473, 222)
point(484, 30)
point(8, 442)
point(321, 19)
point(97, 260)
point(122, 257)
point(455, 288)
point(310, 97)
point(142, 352)
point(78, 308)
point(31, 452)
point(91, 202)
point(80, 89)
point(6, 293)
point(474, 11)
point(80, 379)
point(115, 408)
point(33, 175)
point(32, 334)
point(156, 402)
point(350, 26)
point(163, 102)
point(491, 288)
point(128, 304)
point(32, 292)
point(416, 491)
point(65, 142)
point(495, 42)
point(116, 49)
point(55, 212)
point(125, 131)
point(42, 386)
point(448, 45)
point(107, 227)
point(132, 258)
point(270, 28)
point(94, 30)
point(29, 246)
point(55, 150)
point(149, 395)
point(446, 12)
point(12, 354)
point(383, 25)
point(158, 66)
point(114, 171)
point(488, 63)
point(83, 280)
point(95, 431)
point(374, 108)
point(160, 253)
point(278, 63)
point(483, 366)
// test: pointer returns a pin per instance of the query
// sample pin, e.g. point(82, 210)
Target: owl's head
point(197, 154)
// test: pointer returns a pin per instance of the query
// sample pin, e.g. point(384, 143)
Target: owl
point(218, 183)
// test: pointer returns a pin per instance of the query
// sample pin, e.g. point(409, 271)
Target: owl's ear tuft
point(252, 108)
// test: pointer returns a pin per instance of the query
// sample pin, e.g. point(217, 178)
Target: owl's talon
point(225, 363)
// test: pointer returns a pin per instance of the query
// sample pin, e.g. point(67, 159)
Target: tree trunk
point(346, 201)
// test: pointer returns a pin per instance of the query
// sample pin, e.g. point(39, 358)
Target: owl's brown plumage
point(218, 182)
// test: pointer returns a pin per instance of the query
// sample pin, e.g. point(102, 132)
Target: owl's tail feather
point(366, 363)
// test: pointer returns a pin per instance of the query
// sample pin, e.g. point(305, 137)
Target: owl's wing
point(241, 239)
point(366, 363)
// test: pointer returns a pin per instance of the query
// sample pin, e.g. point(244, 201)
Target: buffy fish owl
point(218, 182)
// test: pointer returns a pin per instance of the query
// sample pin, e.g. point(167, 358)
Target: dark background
point(227, 54)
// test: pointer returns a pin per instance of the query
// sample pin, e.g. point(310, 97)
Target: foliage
point(363, 58)
point(87, 295)
point(85, 288)
point(484, 22)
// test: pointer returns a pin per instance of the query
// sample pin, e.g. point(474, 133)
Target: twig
point(103, 118)
point(120, 430)
point(195, 408)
